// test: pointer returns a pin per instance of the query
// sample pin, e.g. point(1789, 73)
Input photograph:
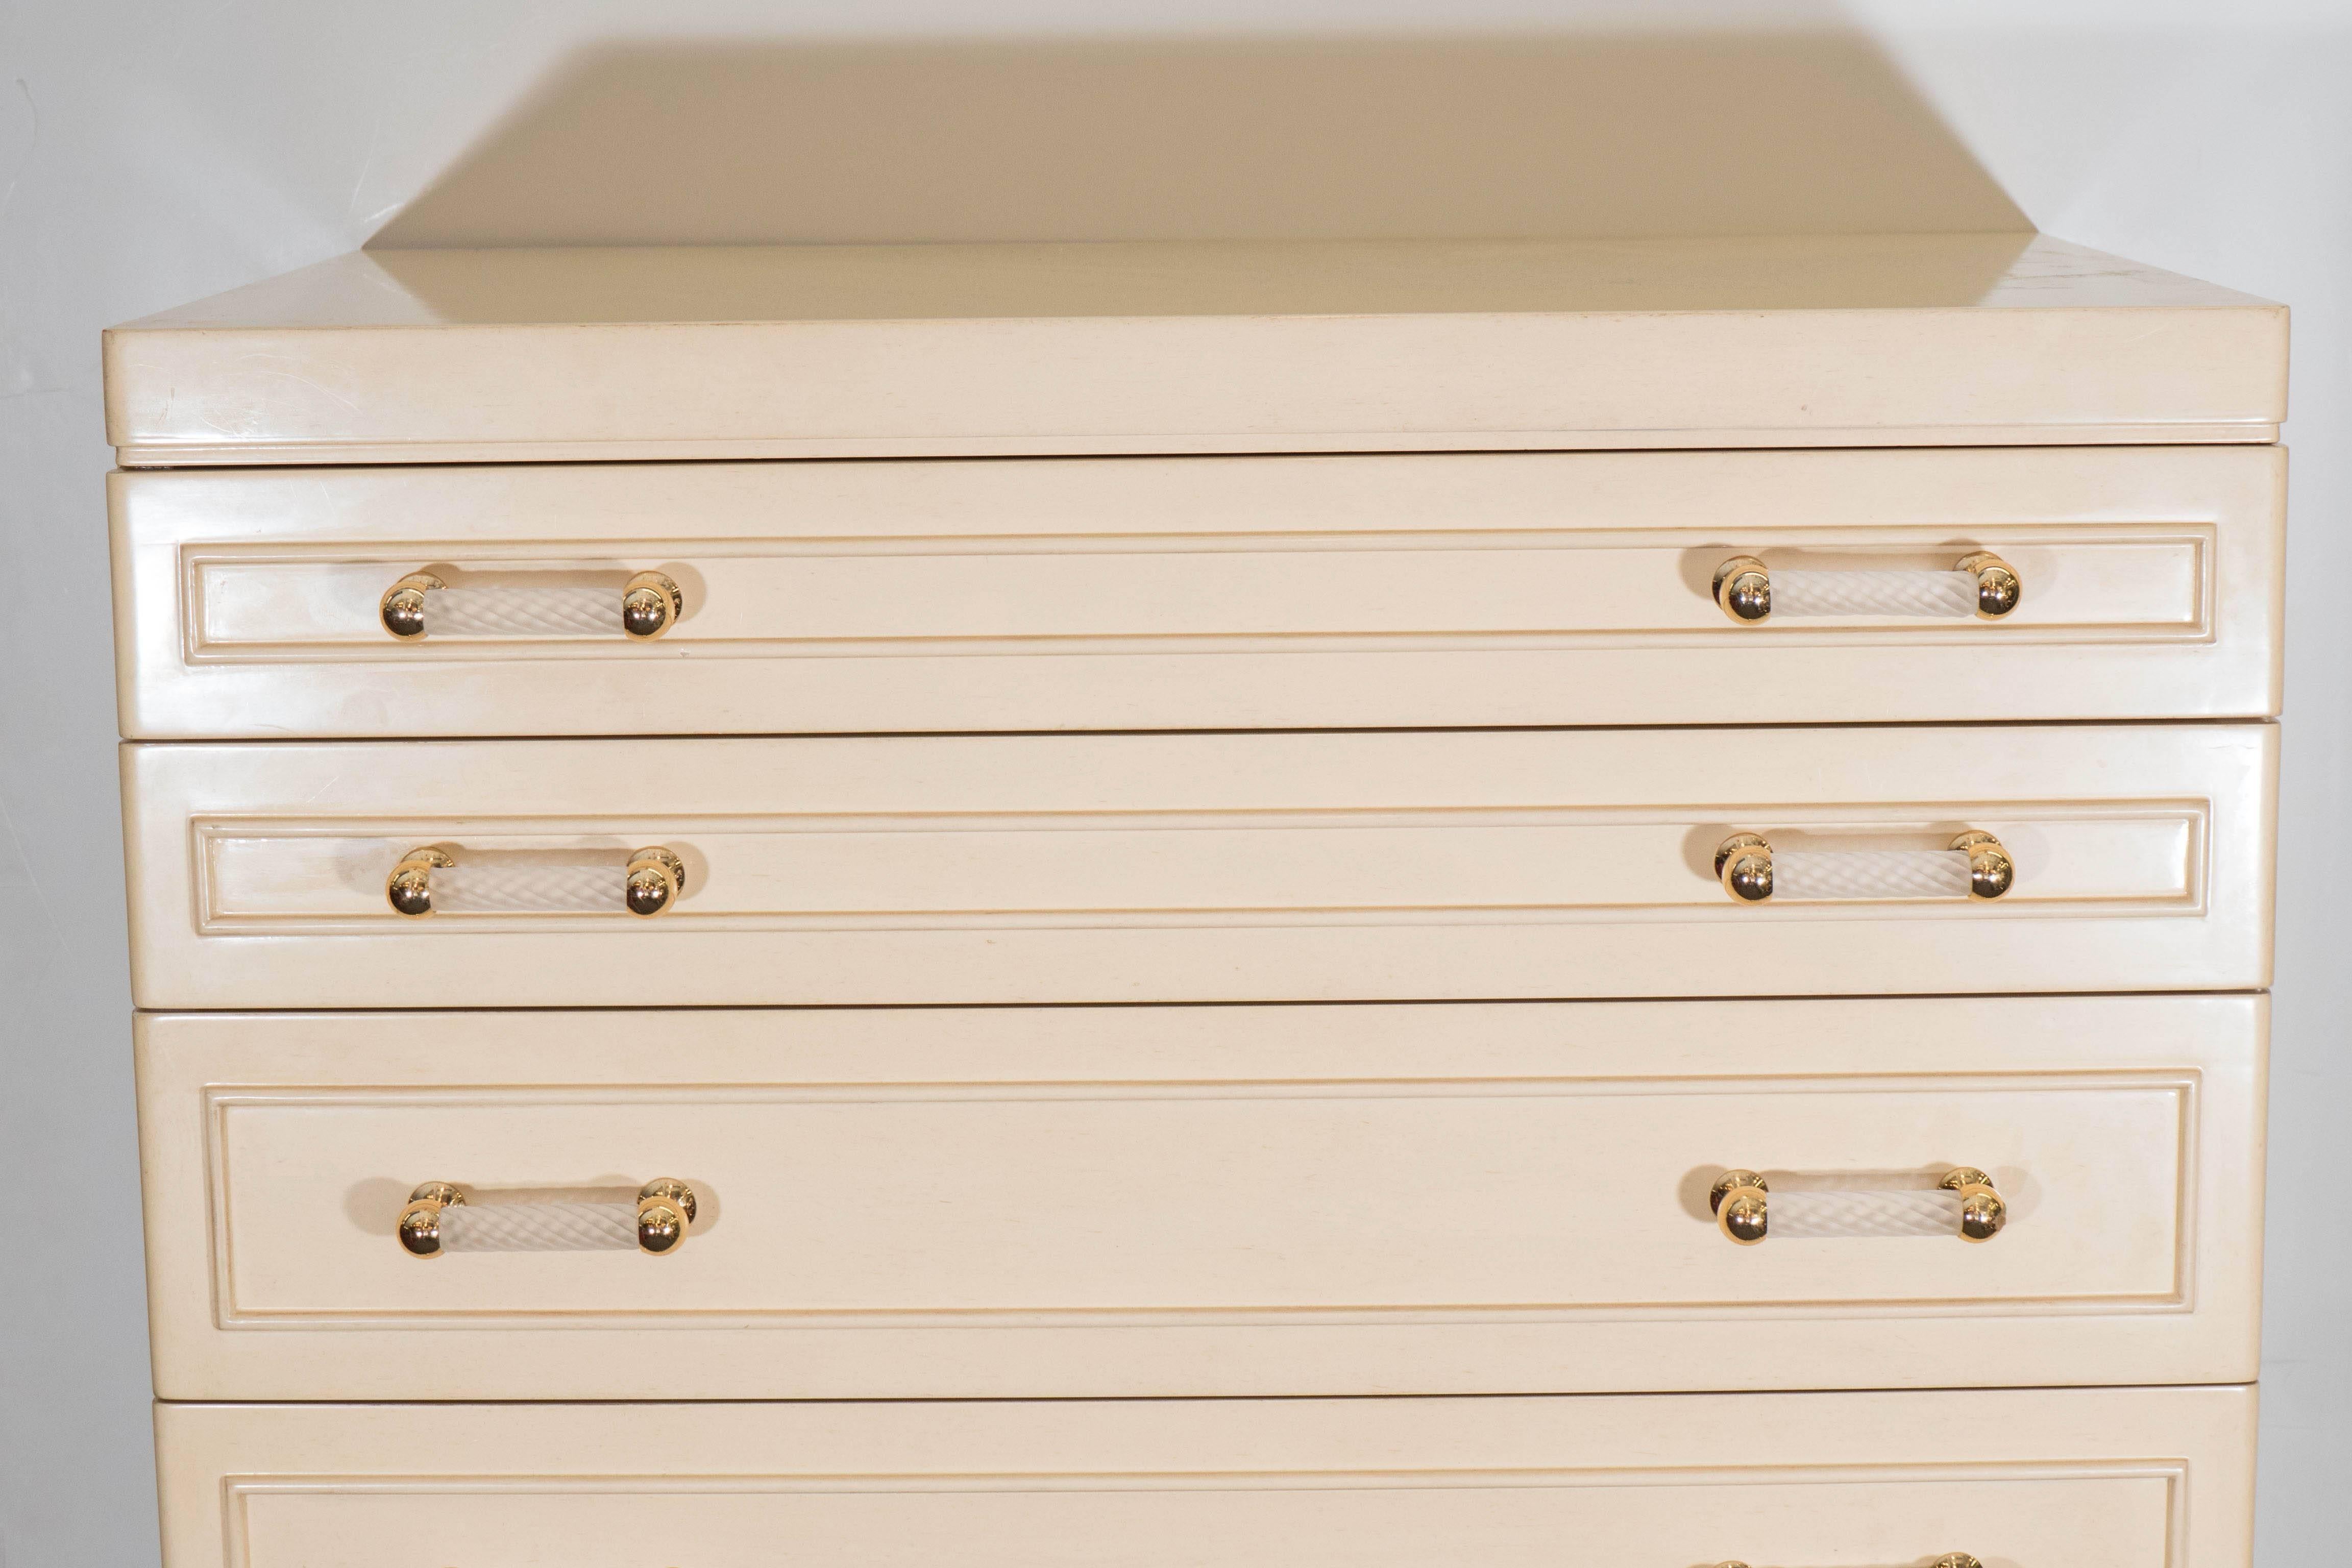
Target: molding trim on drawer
point(1120, 870)
point(2097, 1489)
point(1234, 591)
point(1334, 1112)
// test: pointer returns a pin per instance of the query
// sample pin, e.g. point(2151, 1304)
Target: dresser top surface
point(1000, 349)
point(767, 284)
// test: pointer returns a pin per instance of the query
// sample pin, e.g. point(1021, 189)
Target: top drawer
point(1495, 589)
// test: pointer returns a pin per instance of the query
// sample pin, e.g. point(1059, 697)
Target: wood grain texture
point(1201, 593)
point(1498, 1198)
point(996, 350)
point(1206, 867)
point(2090, 1478)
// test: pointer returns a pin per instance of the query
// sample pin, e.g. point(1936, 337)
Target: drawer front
point(1157, 868)
point(1198, 594)
point(942, 1203)
point(2071, 1479)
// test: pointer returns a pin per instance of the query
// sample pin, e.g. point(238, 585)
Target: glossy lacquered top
point(909, 349)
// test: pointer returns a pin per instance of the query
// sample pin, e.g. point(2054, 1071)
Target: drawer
point(1204, 867)
point(2074, 1478)
point(946, 1203)
point(1358, 592)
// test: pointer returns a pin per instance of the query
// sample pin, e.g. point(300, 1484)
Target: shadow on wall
point(1812, 133)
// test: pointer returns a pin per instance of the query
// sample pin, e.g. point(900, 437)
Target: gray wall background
point(153, 152)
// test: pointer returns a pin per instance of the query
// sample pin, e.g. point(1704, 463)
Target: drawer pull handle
point(431, 879)
point(1982, 585)
point(1975, 867)
point(649, 604)
point(1949, 1560)
point(1963, 1204)
point(438, 1219)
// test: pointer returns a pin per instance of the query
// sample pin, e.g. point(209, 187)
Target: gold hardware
point(1990, 870)
point(656, 878)
point(650, 605)
point(1982, 1212)
point(666, 1208)
point(1998, 589)
point(1743, 863)
point(1742, 1206)
point(409, 889)
point(1957, 1560)
point(419, 1227)
point(1743, 589)
point(402, 608)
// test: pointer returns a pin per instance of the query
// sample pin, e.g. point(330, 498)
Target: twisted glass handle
point(436, 880)
point(1963, 1204)
point(422, 604)
point(440, 1219)
point(1982, 585)
point(1975, 866)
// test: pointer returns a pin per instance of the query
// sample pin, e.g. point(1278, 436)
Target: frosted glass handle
point(440, 1219)
point(1975, 866)
point(437, 880)
point(1963, 1204)
point(1982, 585)
point(422, 604)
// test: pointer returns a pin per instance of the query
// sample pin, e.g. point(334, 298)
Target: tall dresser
point(1580, 905)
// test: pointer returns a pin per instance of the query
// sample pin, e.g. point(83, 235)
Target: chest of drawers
point(1677, 835)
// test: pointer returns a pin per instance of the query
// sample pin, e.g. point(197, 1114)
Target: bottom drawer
point(2069, 1478)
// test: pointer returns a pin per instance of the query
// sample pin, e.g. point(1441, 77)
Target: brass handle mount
point(1743, 590)
point(651, 881)
point(650, 605)
point(402, 608)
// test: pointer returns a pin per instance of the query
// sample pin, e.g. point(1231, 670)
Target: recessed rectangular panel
point(1298, 592)
point(2092, 1478)
point(1260, 1200)
point(1235, 868)
point(1189, 1203)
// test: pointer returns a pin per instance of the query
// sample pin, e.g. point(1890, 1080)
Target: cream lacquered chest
point(942, 905)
